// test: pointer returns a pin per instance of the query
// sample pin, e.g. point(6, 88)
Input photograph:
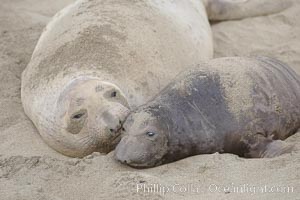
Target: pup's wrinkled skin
point(244, 106)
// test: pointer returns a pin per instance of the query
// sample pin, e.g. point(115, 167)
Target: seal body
point(97, 59)
point(245, 106)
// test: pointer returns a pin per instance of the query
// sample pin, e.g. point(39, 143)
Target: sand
point(29, 169)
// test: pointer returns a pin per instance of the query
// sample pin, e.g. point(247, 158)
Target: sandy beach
point(29, 169)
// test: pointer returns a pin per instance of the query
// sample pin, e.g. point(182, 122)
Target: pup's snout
point(121, 153)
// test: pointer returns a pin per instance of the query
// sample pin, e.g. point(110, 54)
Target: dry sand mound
point(29, 169)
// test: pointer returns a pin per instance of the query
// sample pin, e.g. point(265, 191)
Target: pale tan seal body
point(97, 59)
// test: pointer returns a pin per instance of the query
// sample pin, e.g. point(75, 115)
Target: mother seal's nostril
point(111, 130)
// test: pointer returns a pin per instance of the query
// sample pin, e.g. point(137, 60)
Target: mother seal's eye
point(77, 116)
point(150, 134)
point(113, 94)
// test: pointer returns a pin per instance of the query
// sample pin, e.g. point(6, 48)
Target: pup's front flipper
point(261, 147)
point(218, 10)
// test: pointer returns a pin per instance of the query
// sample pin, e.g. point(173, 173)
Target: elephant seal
point(97, 59)
point(244, 106)
point(239, 9)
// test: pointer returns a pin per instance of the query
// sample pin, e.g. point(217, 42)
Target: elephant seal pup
point(244, 106)
point(97, 59)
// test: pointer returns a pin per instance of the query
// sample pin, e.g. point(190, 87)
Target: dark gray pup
point(244, 106)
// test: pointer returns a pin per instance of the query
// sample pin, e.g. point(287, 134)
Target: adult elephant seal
point(244, 106)
point(96, 59)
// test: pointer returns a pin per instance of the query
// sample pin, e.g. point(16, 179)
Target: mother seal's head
point(89, 115)
point(145, 142)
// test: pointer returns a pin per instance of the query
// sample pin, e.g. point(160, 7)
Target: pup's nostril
point(123, 129)
point(111, 130)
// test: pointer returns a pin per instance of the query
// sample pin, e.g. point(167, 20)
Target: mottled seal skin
point(244, 106)
point(97, 59)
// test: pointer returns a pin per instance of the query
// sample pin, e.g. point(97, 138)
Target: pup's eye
point(150, 134)
point(113, 94)
point(77, 116)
